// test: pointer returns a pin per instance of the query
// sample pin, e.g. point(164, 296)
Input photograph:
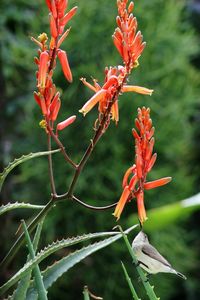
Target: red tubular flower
point(130, 46)
point(43, 67)
point(144, 161)
point(65, 123)
point(68, 16)
point(53, 26)
point(62, 55)
point(111, 88)
point(47, 96)
point(126, 38)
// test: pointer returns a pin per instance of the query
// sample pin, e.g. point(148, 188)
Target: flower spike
point(47, 96)
point(144, 162)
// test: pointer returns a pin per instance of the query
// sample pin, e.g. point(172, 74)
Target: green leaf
point(20, 292)
point(131, 287)
point(16, 205)
point(42, 293)
point(20, 160)
point(52, 273)
point(50, 250)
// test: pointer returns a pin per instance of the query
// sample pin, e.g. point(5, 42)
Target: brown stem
point(94, 141)
point(60, 145)
point(93, 207)
point(51, 176)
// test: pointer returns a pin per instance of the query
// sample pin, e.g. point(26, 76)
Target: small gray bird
point(149, 258)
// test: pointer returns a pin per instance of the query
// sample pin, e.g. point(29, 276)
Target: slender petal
point(137, 89)
point(68, 16)
point(66, 123)
point(156, 183)
point(62, 55)
point(152, 162)
point(56, 111)
point(63, 37)
point(126, 176)
point(43, 67)
point(53, 27)
point(122, 201)
point(115, 112)
point(88, 84)
point(92, 102)
point(141, 207)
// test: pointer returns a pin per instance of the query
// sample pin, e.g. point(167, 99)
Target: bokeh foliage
point(166, 67)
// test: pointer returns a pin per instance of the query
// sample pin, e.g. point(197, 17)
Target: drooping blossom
point(113, 86)
point(47, 96)
point(135, 179)
point(126, 38)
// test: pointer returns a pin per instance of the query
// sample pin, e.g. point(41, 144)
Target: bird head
point(140, 238)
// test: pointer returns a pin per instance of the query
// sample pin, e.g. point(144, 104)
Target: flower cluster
point(144, 161)
point(130, 46)
point(126, 38)
point(47, 96)
point(104, 96)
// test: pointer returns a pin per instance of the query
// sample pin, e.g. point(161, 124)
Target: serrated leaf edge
point(51, 249)
point(20, 160)
point(10, 206)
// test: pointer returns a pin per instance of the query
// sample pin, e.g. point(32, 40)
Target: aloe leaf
point(17, 205)
point(52, 273)
point(20, 160)
point(50, 250)
point(42, 293)
point(20, 292)
point(131, 287)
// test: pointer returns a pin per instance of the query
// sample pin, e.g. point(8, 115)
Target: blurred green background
point(170, 66)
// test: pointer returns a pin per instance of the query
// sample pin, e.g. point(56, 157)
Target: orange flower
point(62, 55)
point(126, 38)
point(112, 87)
point(144, 162)
point(65, 123)
point(43, 67)
point(47, 96)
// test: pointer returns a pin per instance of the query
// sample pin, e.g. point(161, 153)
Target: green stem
point(132, 289)
point(20, 241)
point(86, 293)
point(42, 293)
point(144, 279)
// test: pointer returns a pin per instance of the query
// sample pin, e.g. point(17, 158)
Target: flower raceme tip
point(47, 96)
point(127, 40)
point(134, 182)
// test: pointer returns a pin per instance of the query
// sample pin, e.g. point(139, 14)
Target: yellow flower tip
point(43, 38)
point(116, 216)
point(136, 64)
point(151, 92)
point(43, 124)
point(82, 111)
